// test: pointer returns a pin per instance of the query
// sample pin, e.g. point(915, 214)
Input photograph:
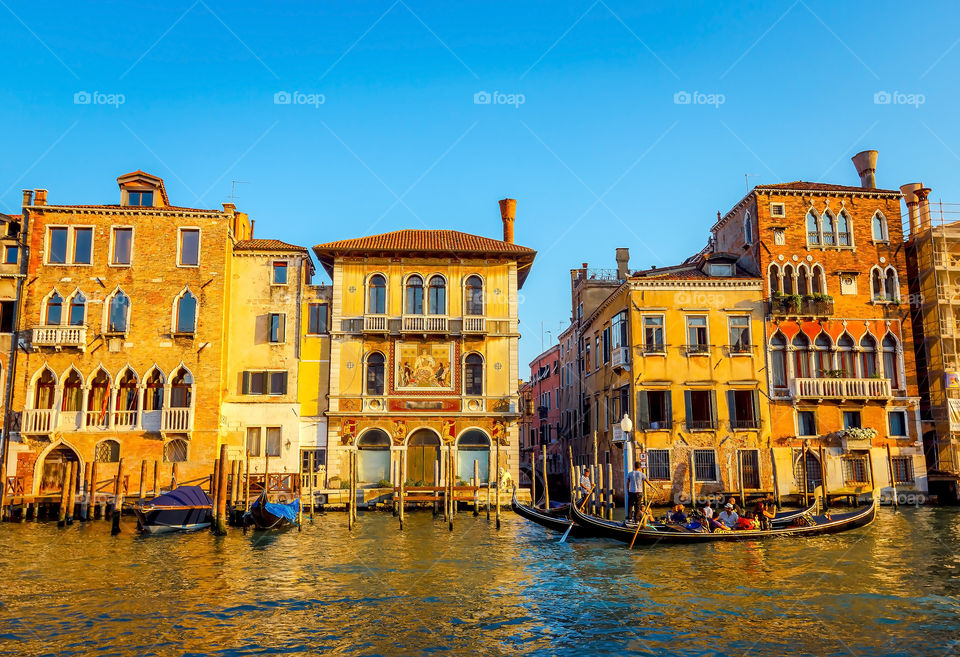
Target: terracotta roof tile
point(172, 208)
point(267, 245)
point(825, 187)
point(444, 241)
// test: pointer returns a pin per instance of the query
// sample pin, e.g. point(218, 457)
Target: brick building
point(541, 423)
point(841, 369)
point(122, 333)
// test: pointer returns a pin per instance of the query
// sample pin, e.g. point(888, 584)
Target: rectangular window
point(701, 410)
point(317, 318)
point(253, 441)
point(10, 254)
point(274, 441)
point(750, 468)
point(705, 464)
point(279, 273)
point(6, 316)
point(855, 470)
point(189, 247)
point(697, 342)
point(57, 246)
point(902, 469)
point(806, 423)
point(653, 409)
point(319, 459)
point(744, 407)
point(278, 383)
point(606, 344)
point(277, 327)
point(140, 198)
point(739, 334)
point(653, 334)
point(658, 464)
point(898, 423)
point(264, 383)
point(851, 420)
point(122, 246)
point(82, 246)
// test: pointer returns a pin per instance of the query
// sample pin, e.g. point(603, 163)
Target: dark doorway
point(423, 451)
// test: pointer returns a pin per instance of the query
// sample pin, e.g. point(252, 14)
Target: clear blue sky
point(598, 154)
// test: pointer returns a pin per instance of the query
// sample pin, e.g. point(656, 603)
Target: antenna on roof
point(747, 177)
point(233, 189)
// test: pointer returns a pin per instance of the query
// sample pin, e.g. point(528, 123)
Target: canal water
point(890, 589)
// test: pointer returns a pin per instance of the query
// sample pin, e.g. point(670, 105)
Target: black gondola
point(264, 514)
point(803, 525)
point(186, 508)
point(557, 518)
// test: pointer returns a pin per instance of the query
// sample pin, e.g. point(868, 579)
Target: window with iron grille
point(902, 469)
point(175, 451)
point(855, 470)
point(705, 464)
point(658, 464)
point(107, 451)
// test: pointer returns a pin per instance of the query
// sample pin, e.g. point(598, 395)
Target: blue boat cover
point(288, 511)
point(183, 496)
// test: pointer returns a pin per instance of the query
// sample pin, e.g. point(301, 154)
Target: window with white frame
point(653, 334)
point(263, 383)
point(121, 245)
point(897, 421)
point(185, 313)
point(878, 227)
point(118, 312)
point(265, 441)
point(279, 273)
point(69, 245)
point(277, 327)
point(739, 333)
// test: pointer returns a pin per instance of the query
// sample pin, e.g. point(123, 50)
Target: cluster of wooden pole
point(352, 490)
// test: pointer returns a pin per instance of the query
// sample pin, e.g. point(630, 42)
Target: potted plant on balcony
point(859, 434)
point(793, 302)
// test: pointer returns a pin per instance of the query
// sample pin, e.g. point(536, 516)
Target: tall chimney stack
point(623, 263)
point(924, 206)
point(40, 197)
point(27, 197)
point(910, 198)
point(866, 163)
point(508, 212)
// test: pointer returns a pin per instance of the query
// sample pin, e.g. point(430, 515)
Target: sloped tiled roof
point(825, 187)
point(116, 206)
point(267, 245)
point(433, 242)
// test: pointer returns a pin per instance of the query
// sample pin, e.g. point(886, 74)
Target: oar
point(643, 521)
point(567, 533)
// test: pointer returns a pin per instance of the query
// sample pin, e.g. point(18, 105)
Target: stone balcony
point(829, 388)
point(59, 337)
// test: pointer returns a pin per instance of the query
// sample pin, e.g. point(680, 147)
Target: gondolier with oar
point(635, 481)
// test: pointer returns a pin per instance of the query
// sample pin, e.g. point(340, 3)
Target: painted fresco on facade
point(424, 366)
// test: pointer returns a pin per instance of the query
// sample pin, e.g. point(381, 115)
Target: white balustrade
point(176, 419)
point(829, 388)
point(59, 336)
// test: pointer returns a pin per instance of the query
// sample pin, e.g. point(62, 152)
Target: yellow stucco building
point(680, 350)
point(424, 351)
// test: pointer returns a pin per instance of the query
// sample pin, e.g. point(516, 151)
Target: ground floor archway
point(813, 470)
point(373, 457)
point(473, 445)
point(423, 453)
point(54, 467)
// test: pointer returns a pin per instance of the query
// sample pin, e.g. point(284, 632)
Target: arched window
point(819, 280)
point(153, 401)
point(186, 313)
point(375, 373)
point(373, 456)
point(876, 285)
point(474, 294)
point(879, 227)
point(828, 228)
point(473, 375)
point(892, 285)
point(890, 361)
point(377, 295)
point(72, 401)
point(98, 400)
point(788, 279)
point(778, 360)
point(106, 451)
point(473, 445)
point(801, 346)
point(78, 307)
point(824, 358)
point(54, 310)
point(774, 279)
point(175, 451)
point(844, 233)
point(119, 313)
point(46, 387)
point(747, 229)
point(803, 280)
point(868, 356)
point(181, 389)
point(126, 402)
point(437, 298)
point(813, 228)
point(414, 295)
point(847, 363)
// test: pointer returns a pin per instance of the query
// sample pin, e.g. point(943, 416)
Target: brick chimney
point(924, 206)
point(866, 163)
point(623, 263)
point(910, 198)
point(40, 197)
point(508, 213)
point(27, 197)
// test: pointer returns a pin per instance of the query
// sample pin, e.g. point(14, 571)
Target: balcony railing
point(828, 388)
point(176, 419)
point(424, 324)
point(700, 425)
point(375, 323)
point(620, 357)
point(808, 307)
point(656, 425)
point(744, 424)
point(124, 420)
point(654, 348)
point(97, 420)
point(696, 349)
point(59, 336)
point(38, 420)
point(474, 324)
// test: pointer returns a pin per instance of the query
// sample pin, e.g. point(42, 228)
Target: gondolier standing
point(586, 486)
point(634, 489)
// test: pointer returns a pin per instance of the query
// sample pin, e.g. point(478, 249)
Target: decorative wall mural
point(423, 366)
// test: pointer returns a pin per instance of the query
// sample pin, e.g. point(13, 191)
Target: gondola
point(186, 508)
point(264, 514)
point(557, 518)
point(807, 525)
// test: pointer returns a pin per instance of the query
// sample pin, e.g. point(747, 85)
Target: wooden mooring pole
point(452, 487)
point(476, 488)
point(246, 483)
point(117, 499)
point(143, 479)
point(64, 492)
point(489, 479)
point(72, 492)
point(155, 489)
point(401, 469)
point(350, 502)
point(215, 481)
point(310, 464)
point(546, 487)
point(533, 478)
point(497, 492)
point(221, 497)
point(85, 499)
